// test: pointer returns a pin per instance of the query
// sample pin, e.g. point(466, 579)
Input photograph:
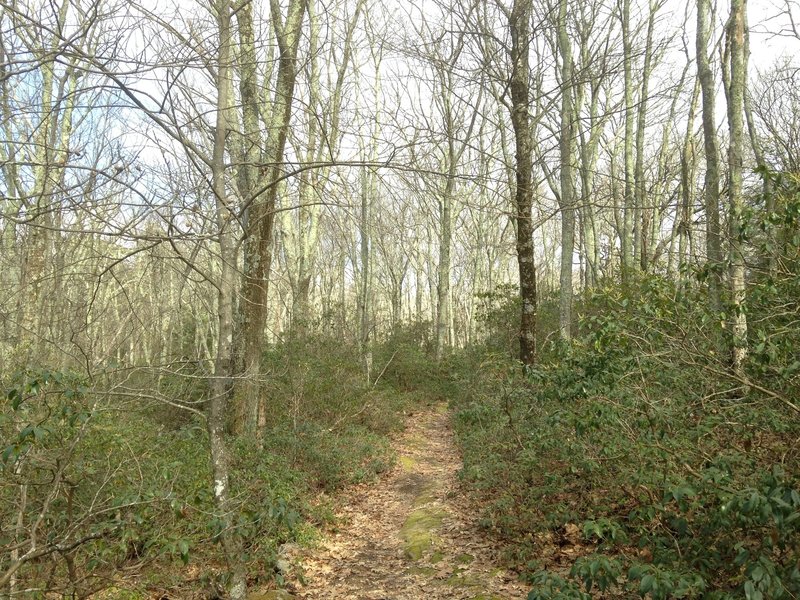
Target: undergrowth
point(630, 463)
point(123, 483)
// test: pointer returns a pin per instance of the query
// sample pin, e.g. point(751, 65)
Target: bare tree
point(261, 200)
point(712, 193)
point(566, 178)
point(735, 42)
point(627, 244)
point(518, 18)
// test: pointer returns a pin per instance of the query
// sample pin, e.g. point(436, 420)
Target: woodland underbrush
point(111, 482)
point(632, 463)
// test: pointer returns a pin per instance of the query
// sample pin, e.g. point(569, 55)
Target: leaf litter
point(412, 535)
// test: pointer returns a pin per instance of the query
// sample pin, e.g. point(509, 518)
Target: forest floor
point(411, 535)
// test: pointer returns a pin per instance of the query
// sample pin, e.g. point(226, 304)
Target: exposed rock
point(283, 566)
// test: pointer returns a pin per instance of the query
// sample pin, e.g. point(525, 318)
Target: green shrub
point(634, 436)
point(130, 480)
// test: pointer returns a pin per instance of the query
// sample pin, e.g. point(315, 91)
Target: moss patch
point(464, 559)
point(424, 571)
point(426, 496)
point(407, 463)
point(417, 442)
point(460, 579)
point(417, 531)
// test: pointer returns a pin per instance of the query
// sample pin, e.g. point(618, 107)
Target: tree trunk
point(321, 144)
point(519, 25)
point(640, 214)
point(223, 363)
point(259, 224)
point(445, 242)
point(365, 292)
point(566, 196)
point(688, 162)
point(707, 86)
point(738, 78)
point(627, 242)
point(588, 166)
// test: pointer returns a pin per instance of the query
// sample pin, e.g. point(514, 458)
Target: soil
point(411, 535)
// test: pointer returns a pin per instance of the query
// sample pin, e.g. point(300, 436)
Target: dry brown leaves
point(367, 556)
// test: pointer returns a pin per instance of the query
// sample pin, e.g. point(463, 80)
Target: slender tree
point(519, 25)
point(223, 363)
point(640, 184)
point(627, 242)
point(566, 178)
point(711, 194)
point(735, 38)
point(250, 407)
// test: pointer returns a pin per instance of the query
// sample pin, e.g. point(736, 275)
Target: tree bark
point(519, 25)
point(443, 269)
point(627, 242)
point(588, 166)
point(640, 213)
point(566, 179)
point(223, 363)
point(688, 165)
point(250, 407)
point(368, 192)
point(707, 87)
point(365, 291)
point(738, 78)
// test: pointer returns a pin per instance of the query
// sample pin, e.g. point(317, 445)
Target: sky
point(766, 21)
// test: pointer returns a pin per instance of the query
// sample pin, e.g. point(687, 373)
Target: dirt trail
point(411, 536)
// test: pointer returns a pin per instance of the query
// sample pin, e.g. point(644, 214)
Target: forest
point(470, 299)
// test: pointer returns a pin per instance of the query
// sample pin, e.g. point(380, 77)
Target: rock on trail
point(410, 536)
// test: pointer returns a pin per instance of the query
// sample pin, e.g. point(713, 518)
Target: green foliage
point(634, 436)
point(597, 571)
point(661, 584)
point(604, 530)
point(404, 360)
point(349, 454)
point(135, 480)
point(47, 409)
point(498, 317)
point(548, 586)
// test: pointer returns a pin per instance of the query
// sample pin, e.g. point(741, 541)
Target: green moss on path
point(407, 463)
point(411, 536)
point(418, 530)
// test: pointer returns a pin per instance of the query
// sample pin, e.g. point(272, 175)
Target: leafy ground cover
point(117, 487)
point(631, 463)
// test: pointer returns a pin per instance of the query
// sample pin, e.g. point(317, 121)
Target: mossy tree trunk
point(250, 406)
point(711, 195)
point(735, 39)
point(519, 24)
